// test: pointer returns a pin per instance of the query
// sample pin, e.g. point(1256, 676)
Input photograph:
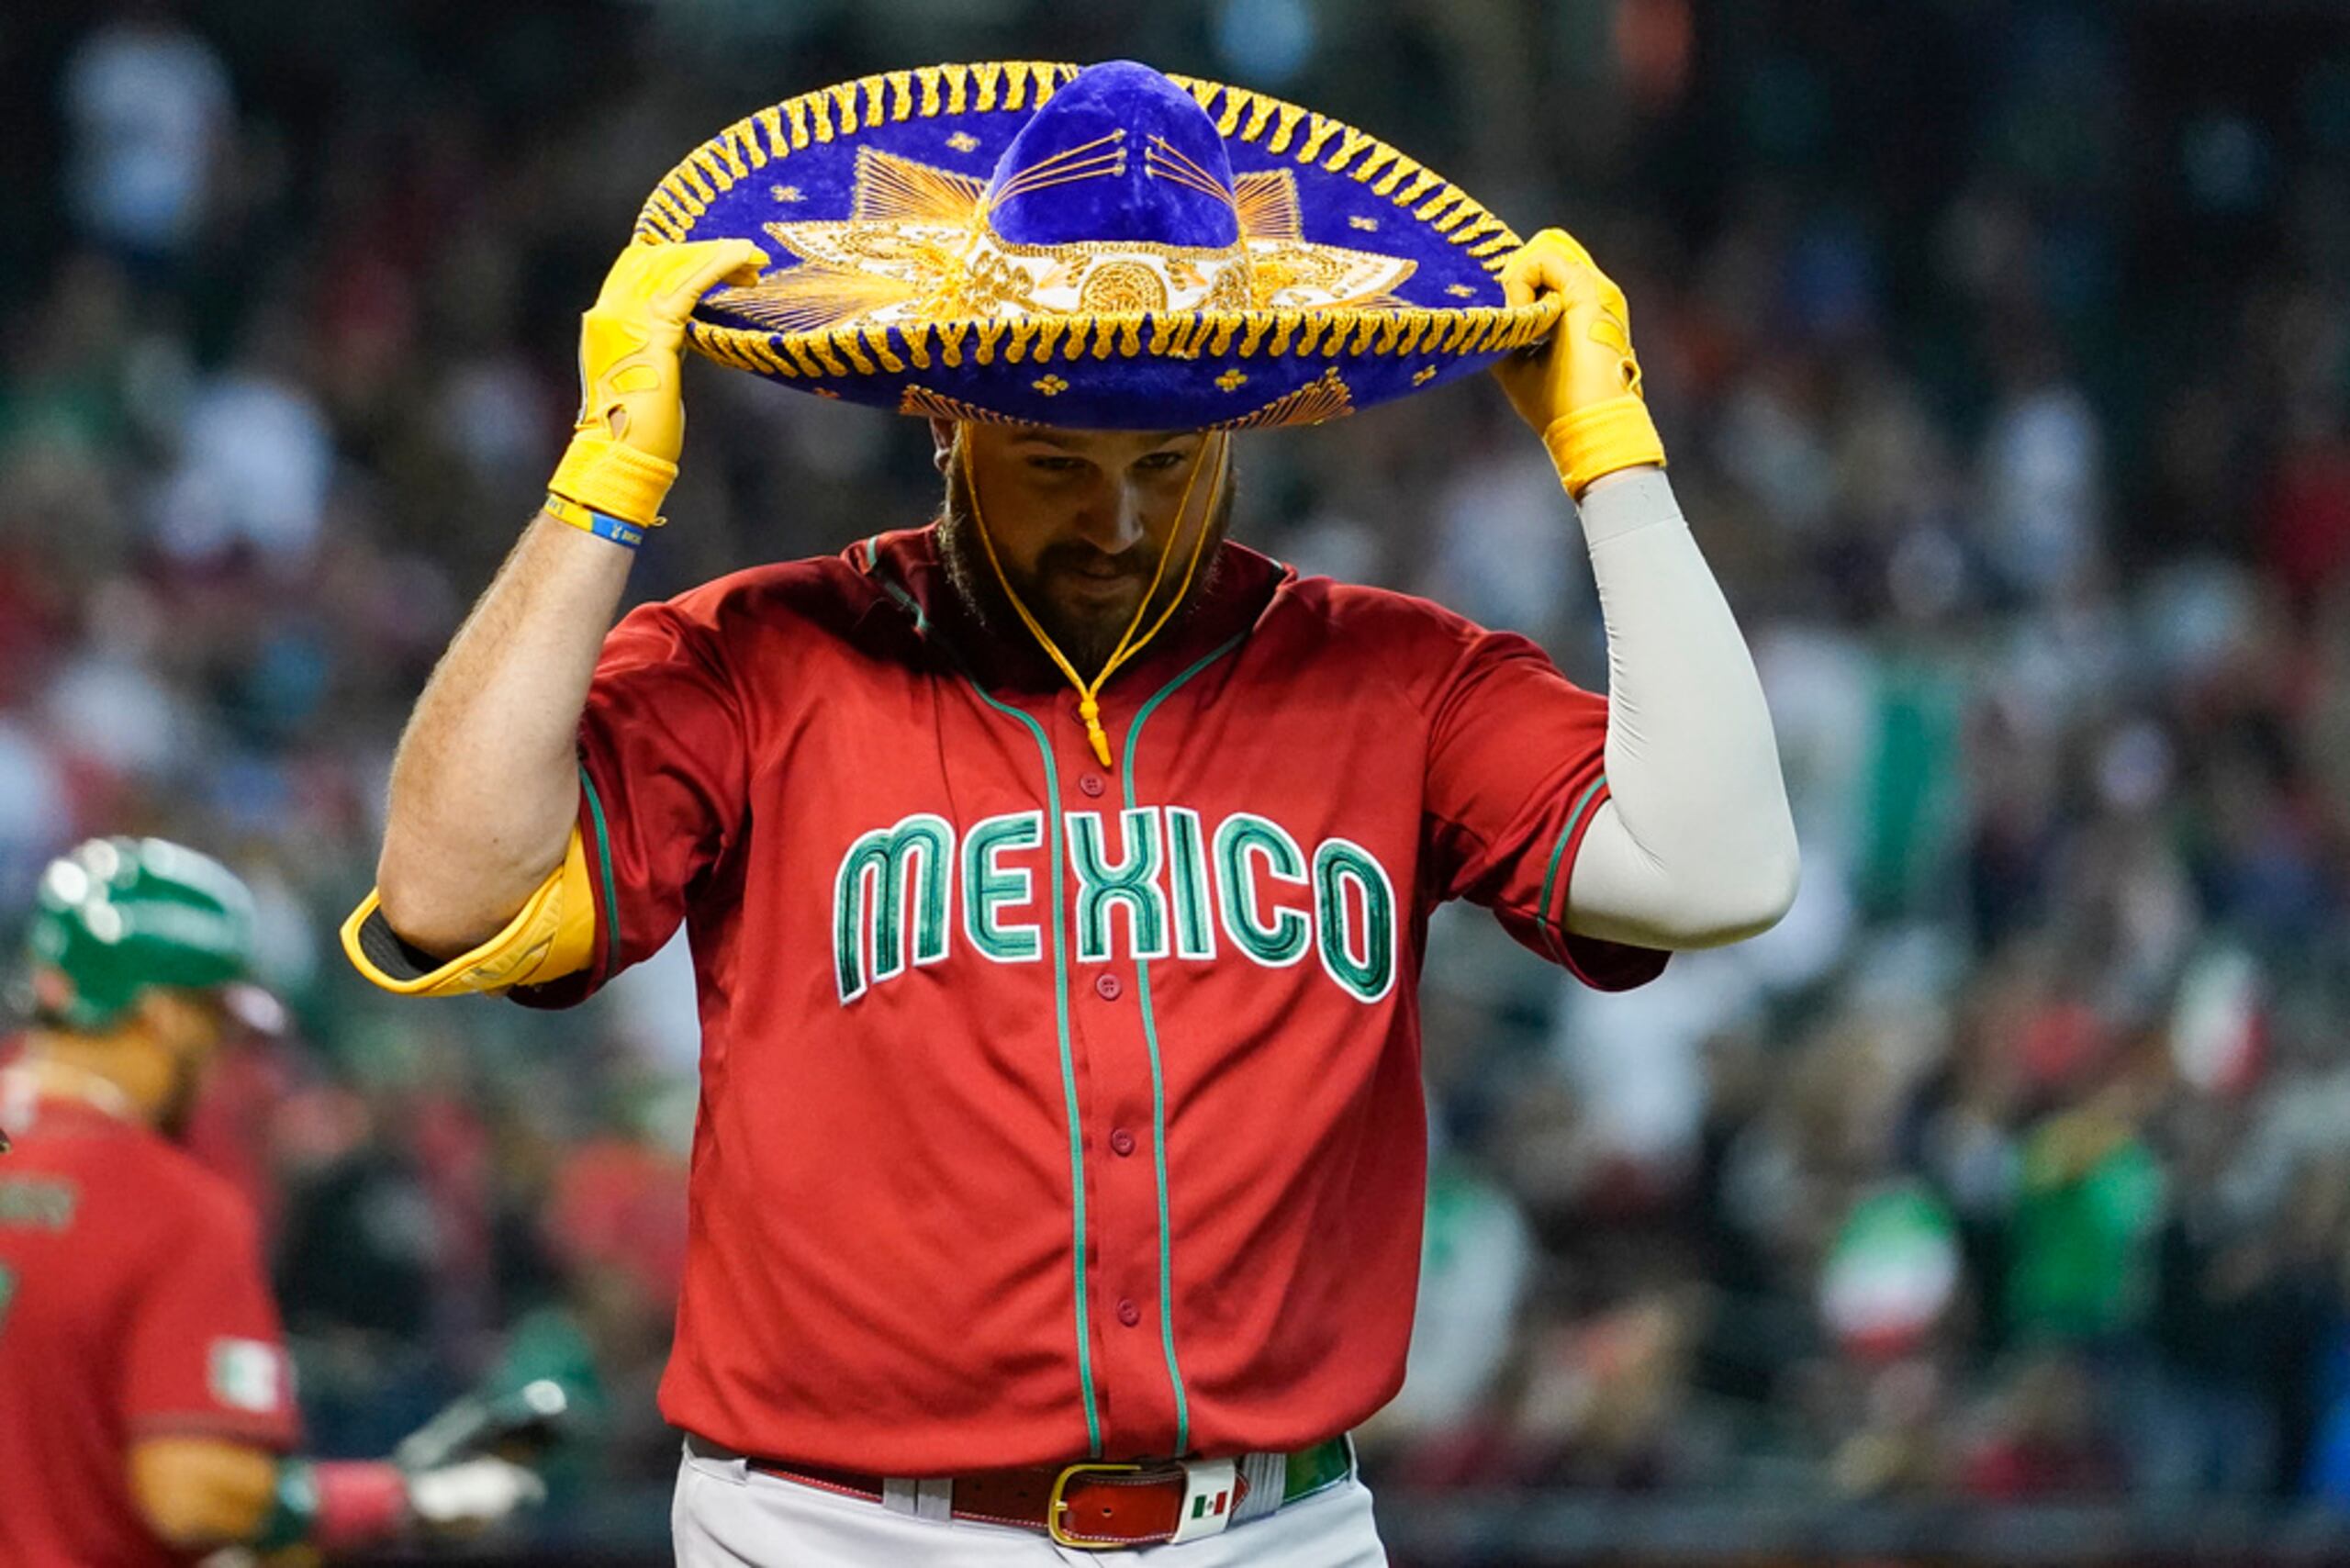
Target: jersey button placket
point(1108, 986)
point(1129, 1313)
point(1121, 1143)
point(1091, 785)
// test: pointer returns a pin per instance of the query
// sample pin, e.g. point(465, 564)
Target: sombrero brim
point(797, 163)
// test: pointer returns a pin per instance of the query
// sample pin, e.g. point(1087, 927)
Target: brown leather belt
point(1095, 1507)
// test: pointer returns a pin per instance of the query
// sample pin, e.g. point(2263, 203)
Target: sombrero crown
point(1111, 248)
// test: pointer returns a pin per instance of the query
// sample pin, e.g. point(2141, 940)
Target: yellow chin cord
point(1089, 704)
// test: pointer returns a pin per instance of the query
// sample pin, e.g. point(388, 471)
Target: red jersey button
point(1121, 1143)
point(1092, 784)
point(1129, 1313)
point(1106, 987)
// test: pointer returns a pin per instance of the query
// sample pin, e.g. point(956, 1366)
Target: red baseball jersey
point(133, 1304)
point(1052, 1109)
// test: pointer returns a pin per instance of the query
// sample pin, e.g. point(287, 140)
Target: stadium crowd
point(2003, 354)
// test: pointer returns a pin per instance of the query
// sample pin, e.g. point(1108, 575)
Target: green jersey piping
point(1158, 1079)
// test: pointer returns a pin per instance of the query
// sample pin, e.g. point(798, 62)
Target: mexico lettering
point(1170, 889)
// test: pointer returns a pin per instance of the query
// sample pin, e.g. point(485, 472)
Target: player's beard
point(183, 1088)
point(1086, 638)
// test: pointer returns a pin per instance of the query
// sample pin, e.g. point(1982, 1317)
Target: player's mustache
point(1086, 560)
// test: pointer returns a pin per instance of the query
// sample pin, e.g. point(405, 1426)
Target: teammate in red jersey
point(1057, 875)
point(146, 1404)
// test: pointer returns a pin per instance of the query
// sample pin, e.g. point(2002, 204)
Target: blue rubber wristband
point(590, 521)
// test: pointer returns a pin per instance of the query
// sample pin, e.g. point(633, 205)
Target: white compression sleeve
point(1696, 847)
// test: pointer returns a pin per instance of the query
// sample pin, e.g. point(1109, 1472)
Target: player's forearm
point(1696, 847)
point(484, 787)
point(198, 1492)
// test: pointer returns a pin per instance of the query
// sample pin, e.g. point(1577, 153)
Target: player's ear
point(180, 1022)
point(941, 442)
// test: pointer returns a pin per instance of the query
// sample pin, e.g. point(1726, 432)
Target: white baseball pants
point(728, 1516)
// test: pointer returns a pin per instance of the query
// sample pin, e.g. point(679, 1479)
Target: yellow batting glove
point(1581, 390)
point(623, 454)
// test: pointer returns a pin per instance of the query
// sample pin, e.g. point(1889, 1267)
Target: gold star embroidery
point(1231, 380)
point(1051, 385)
point(1461, 290)
point(786, 192)
point(962, 141)
point(1364, 223)
point(1422, 378)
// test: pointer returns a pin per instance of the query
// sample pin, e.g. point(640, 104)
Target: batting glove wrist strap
point(601, 475)
point(590, 521)
point(336, 1507)
point(1601, 437)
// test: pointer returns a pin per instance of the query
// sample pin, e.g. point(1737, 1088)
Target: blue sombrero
point(1109, 248)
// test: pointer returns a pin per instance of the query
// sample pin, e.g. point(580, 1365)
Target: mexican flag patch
point(247, 1374)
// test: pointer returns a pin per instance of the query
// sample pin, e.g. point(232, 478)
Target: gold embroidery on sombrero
point(1162, 159)
point(927, 404)
point(1121, 285)
point(890, 189)
point(1283, 129)
point(1071, 164)
point(1267, 203)
point(1250, 116)
point(1327, 397)
point(989, 284)
point(924, 229)
point(808, 299)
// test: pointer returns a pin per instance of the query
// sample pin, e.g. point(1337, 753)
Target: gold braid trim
point(991, 333)
point(876, 343)
point(1249, 334)
point(790, 344)
point(768, 356)
point(1284, 125)
point(820, 345)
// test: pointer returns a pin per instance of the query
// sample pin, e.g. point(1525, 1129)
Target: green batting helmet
point(118, 915)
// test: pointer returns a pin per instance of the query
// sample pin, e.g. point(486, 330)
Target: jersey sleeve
point(664, 770)
point(205, 1355)
point(1516, 770)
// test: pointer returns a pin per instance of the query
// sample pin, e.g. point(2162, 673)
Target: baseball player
point(146, 1402)
point(1057, 874)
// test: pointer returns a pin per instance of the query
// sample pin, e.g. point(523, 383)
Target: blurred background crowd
point(2002, 348)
